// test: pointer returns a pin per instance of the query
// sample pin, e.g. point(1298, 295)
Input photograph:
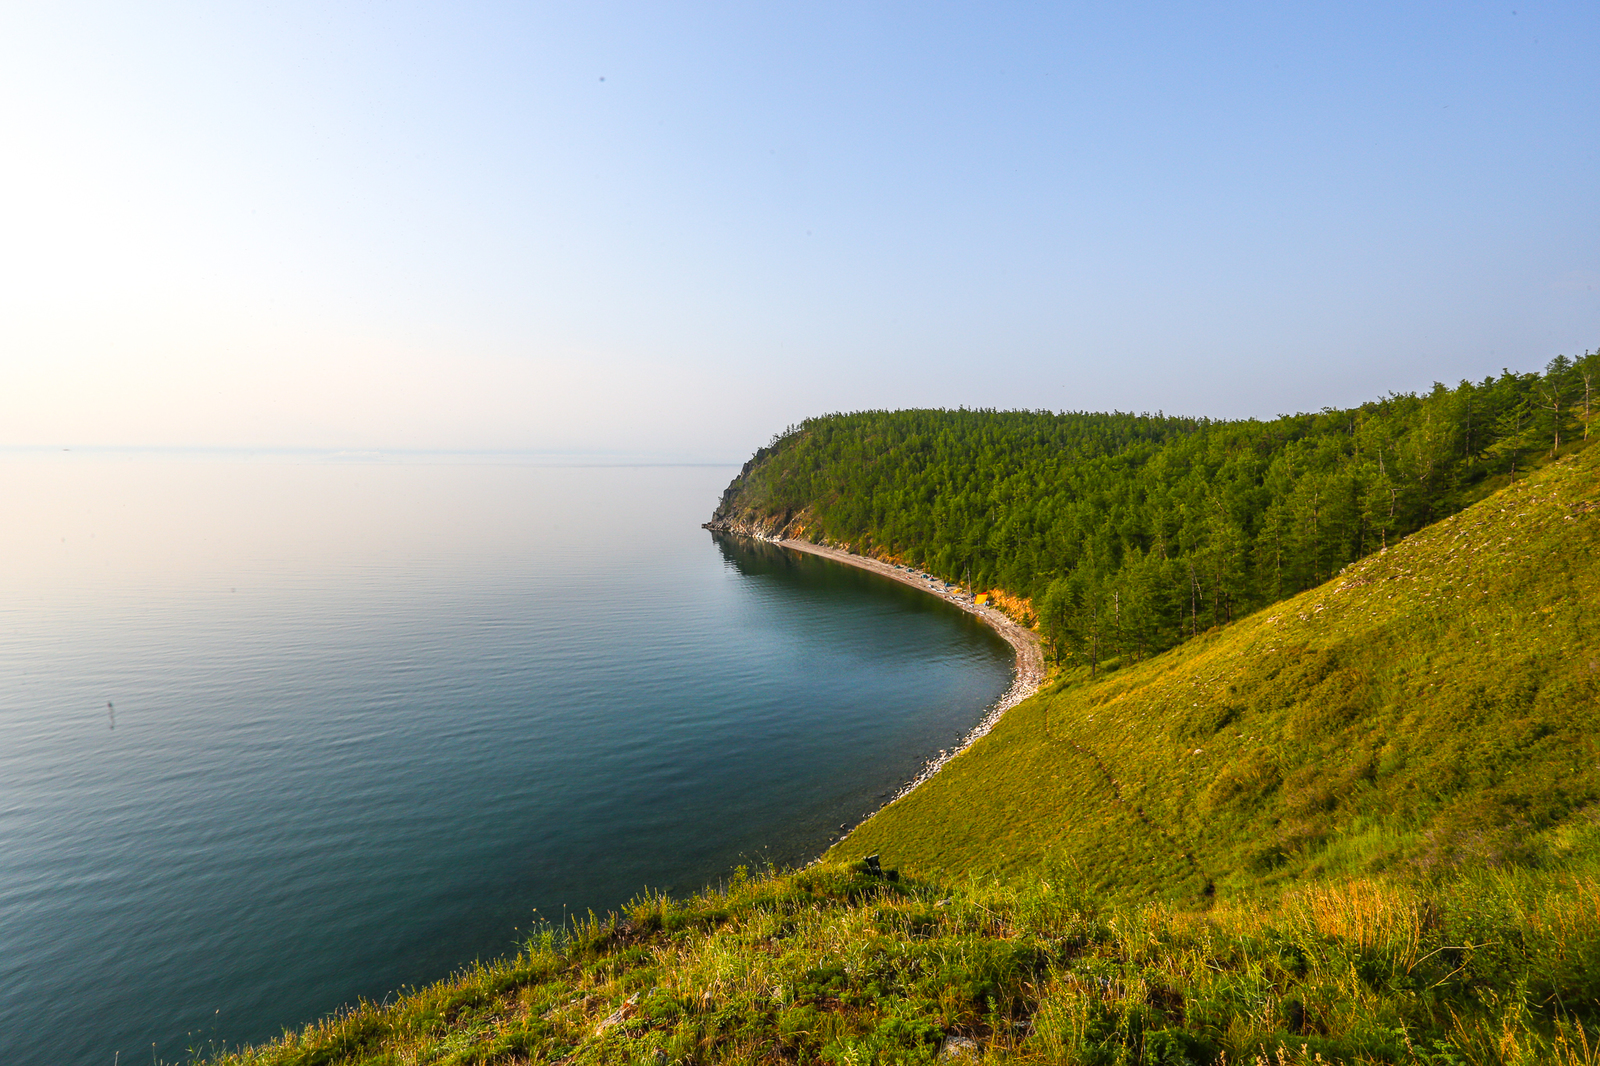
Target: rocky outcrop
point(730, 495)
point(735, 515)
point(783, 526)
point(724, 524)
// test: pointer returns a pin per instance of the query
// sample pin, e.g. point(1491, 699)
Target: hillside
point(1434, 705)
point(1131, 533)
point(1359, 826)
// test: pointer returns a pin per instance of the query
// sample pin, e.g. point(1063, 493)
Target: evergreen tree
point(1132, 532)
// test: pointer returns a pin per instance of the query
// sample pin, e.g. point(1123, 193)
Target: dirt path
point(1144, 819)
point(1030, 658)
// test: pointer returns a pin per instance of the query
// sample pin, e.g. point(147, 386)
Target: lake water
point(279, 734)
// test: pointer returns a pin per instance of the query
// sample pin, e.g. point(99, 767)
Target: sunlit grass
point(833, 965)
point(1434, 706)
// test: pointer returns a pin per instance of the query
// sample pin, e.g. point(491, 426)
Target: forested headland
point(1128, 533)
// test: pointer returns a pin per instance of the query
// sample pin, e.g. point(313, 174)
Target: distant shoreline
point(1030, 657)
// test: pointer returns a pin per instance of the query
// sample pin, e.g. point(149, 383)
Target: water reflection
point(439, 698)
point(810, 575)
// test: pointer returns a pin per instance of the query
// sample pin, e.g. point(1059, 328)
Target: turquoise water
point(369, 722)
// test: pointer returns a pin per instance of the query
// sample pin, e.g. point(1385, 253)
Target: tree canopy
point(1131, 532)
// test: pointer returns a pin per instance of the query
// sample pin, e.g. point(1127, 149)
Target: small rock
point(960, 1049)
point(629, 1008)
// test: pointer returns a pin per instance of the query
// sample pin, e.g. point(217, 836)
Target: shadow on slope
point(1433, 706)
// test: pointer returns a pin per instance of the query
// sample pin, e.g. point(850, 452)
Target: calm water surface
point(276, 735)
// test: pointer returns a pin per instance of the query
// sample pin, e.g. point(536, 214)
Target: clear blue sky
point(672, 229)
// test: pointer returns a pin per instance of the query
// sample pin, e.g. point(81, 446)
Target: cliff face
point(764, 529)
point(786, 525)
point(730, 495)
point(736, 513)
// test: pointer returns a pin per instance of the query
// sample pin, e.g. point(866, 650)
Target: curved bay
point(367, 718)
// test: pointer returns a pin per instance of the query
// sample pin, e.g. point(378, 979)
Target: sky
point(671, 230)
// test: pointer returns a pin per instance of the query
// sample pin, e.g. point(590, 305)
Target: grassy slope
point(1388, 781)
point(1433, 705)
point(830, 966)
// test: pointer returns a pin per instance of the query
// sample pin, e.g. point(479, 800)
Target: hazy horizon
point(667, 232)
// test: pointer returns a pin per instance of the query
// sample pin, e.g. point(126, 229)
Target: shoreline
point(1025, 681)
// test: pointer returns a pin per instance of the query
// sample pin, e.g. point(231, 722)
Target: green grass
point(829, 965)
point(1361, 826)
point(1433, 706)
